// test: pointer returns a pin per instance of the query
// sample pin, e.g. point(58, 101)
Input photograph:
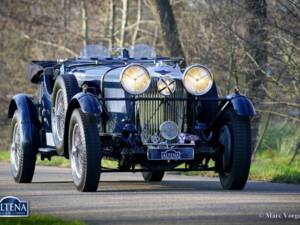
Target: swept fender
point(28, 117)
point(88, 103)
point(241, 104)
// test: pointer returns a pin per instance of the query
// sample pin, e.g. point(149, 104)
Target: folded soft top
point(36, 68)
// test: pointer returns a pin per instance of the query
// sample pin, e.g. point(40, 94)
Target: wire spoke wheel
point(59, 113)
point(84, 150)
point(15, 149)
point(22, 153)
point(76, 156)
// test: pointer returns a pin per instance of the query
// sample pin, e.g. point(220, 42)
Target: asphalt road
point(125, 199)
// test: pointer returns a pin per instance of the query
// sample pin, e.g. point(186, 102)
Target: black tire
point(67, 84)
point(209, 109)
point(234, 163)
point(153, 176)
point(22, 168)
point(90, 150)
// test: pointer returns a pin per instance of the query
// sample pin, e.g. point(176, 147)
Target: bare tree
point(85, 27)
point(138, 20)
point(163, 13)
point(258, 54)
point(112, 22)
point(231, 37)
point(124, 22)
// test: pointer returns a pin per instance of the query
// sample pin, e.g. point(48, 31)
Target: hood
point(112, 73)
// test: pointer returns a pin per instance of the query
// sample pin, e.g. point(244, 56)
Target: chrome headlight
point(166, 85)
point(197, 80)
point(135, 79)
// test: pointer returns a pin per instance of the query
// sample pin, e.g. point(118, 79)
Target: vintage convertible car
point(143, 111)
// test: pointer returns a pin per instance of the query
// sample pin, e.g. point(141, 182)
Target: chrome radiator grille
point(152, 113)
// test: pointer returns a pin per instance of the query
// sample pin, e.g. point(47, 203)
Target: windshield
point(94, 51)
point(142, 51)
point(101, 52)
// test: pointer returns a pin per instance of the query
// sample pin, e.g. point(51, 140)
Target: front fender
point(241, 105)
point(88, 103)
point(28, 117)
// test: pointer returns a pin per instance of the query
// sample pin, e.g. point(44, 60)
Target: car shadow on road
point(182, 186)
point(190, 186)
point(141, 186)
point(164, 186)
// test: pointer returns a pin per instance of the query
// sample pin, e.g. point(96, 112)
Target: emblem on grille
point(166, 85)
point(169, 130)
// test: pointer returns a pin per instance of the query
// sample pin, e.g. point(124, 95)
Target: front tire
point(22, 155)
point(235, 139)
point(153, 176)
point(84, 150)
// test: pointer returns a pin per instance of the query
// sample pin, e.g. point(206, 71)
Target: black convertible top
point(36, 68)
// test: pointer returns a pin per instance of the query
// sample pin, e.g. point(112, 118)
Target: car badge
point(162, 72)
point(166, 85)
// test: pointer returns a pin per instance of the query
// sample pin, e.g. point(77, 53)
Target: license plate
point(170, 154)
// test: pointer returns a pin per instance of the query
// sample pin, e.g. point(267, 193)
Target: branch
point(282, 103)
point(255, 63)
point(259, 142)
point(297, 147)
point(60, 47)
point(138, 19)
point(278, 114)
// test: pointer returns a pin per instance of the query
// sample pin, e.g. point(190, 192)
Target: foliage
point(38, 220)
point(213, 33)
point(281, 137)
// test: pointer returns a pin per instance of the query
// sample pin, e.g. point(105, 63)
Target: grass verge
point(38, 220)
point(274, 166)
point(55, 161)
point(268, 166)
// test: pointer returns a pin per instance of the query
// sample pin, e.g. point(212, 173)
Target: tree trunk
point(112, 24)
point(124, 23)
point(163, 13)
point(66, 8)
point(257, 50)
point(85, 27)
point(138, 19)
point(297, 147)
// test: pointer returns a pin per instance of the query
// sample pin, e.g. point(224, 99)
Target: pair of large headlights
point(197, 80)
